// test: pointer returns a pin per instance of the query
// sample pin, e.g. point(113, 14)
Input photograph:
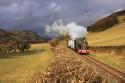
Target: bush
point(8, 47)
point(117, 50)
point(23, 46)
point(54, 42)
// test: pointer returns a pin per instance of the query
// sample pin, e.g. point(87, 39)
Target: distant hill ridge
point(19, 35)
point(108, 22)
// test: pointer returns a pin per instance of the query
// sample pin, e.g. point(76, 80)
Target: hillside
point(113, 36)
point(108, 22)
point(19, 35)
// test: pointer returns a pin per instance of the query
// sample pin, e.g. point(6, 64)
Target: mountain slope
point(113, 36)
point(19, 35)
point(108, 22)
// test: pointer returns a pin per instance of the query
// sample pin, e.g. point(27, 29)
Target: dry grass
point(114, 61)
point(20, 68)
point(112, 36)
point(111, 55)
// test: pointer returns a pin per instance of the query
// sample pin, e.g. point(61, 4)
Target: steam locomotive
point(80, 45)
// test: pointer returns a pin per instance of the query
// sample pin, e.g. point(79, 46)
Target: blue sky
point(36, 14)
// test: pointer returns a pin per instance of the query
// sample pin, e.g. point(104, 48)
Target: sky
point(35, 15)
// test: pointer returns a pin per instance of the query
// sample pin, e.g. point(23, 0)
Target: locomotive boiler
point(80, 45)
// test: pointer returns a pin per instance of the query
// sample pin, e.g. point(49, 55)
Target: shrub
point(54, 42)
point(117, 50)
point(23, 46)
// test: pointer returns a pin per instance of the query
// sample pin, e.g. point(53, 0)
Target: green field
point(22, 67)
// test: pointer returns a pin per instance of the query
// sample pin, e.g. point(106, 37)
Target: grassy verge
point(21, 67)
point(114, 61)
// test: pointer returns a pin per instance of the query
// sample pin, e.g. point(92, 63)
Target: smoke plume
point(71, 29)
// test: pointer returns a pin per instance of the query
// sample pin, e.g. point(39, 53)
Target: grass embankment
point(112, 36)
point(114, 61)
point(21, 67)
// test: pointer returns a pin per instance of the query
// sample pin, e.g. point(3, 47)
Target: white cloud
point(53, 5)
point(120, 9)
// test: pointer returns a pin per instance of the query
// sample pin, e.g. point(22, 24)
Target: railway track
point(111, 71)
point(116, 74)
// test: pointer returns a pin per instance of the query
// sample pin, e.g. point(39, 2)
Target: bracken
point(67, 69)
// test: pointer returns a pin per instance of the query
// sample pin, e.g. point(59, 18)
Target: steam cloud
point(72, 29)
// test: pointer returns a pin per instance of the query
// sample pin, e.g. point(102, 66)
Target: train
point(80, 45)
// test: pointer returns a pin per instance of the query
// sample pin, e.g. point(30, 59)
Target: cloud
point(36, 14)
point(120, 9)
point(53, 5)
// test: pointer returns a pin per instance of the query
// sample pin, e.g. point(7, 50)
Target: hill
point(19, 35)
point(115, 35)
point(108, 22)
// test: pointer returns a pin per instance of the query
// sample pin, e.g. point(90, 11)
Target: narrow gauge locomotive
point(80, 45)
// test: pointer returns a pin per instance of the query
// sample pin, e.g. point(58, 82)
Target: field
point(113, 36)
point(22, 67)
